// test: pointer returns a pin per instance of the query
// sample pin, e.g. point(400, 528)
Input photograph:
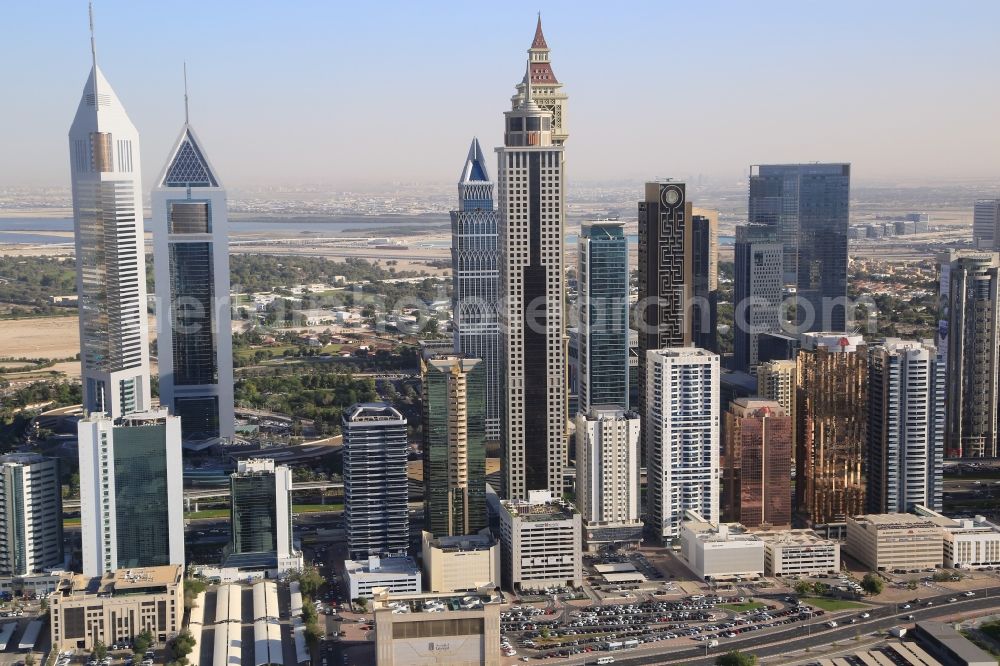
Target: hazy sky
point(349, 94)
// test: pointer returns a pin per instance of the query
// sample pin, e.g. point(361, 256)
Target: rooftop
point(383, 565)
point(793, 538)
point(463, 543)
point(540, 506)
point(946, 635)
point(124, 581)
point(894, 520)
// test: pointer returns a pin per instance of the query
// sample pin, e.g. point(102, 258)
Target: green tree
point(310, 580)
point(29, 659)
point(912, 585)
point(142, 642)
point(181, 646)
point(736, 658)
point(803, 588)
point(100, 651)
point(872, 583)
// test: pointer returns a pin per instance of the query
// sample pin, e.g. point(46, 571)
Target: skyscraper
point(31, 527)
point(131, 491)
point(454, 447)
point(906, 418)
point(757, 290)
point(191, 251)
point(603, 279)
point(972, 337)
point(705, 274)
point(832, 389)
point(607, 476)
point(532, 319)
point(682, 444)
point(376, 510)
point(809, 205)
point(985, 217)
point(666, 279)
point(546, 90)
point(475, 262)
point(261, 516)
point(110, 257)
point(757, 464)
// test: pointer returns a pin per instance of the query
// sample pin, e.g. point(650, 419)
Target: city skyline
point(859, 114)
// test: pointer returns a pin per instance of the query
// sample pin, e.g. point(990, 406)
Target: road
point(800, 637)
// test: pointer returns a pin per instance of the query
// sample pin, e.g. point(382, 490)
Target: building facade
point(809, 204)
point(720, 551)
point(117, 606)
point(131, 492)
point(985, 216)
point(376, 510)
point(194, 329)
point(454, 411)
point(799, 553)
point(832, 382)
point(397, 575)
point(682, 443)
point(532, 319)
point(461, 563)
point(475, 263)
point(31, 527)
point(776, 381)
point(110, 254)
point(972, 338)
point(540, 542)
point(757, 463)
point(705, 273)
point(757, 290)
point(603, 279)
point(261, 516)
point(895, 541)
point(906, 418)
point(607, 477)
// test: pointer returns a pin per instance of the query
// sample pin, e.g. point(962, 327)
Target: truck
point(713, 643)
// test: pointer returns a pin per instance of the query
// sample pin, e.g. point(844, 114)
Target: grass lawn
point(829, 604)
point(68, 522)
point(742, 608)
point(316, 508)
point(208, 513)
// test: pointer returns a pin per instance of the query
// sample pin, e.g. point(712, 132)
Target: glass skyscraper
point(809, 205)
point(260, 514)
point(603, 278)
point(475, 258)
point(31, 528)
point(454, 448)
point(190, 243)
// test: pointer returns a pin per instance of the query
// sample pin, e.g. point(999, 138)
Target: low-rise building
point(34, 584)
point(117, 607)
point(720, 551)
point(969, 543)
point(540, 541)
point(895, 541)
point(461, 563)
point(944, 642)
point(436, 629)
point(398, 575)
point(799, 553)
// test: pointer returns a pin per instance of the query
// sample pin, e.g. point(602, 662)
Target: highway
point(800, 636)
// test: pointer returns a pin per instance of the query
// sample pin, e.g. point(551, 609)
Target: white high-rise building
point(110, 256)
point(906, 421)
point(607, 476)
point(261, 517)
point(131, 491)
point(682, 458)
point(532, 315)
point(31, 529)
point(190, 244)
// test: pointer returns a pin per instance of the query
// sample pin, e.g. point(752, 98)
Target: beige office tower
point(546, 90)
point(776, 381)
point(532, 311)
point(969, 285)
point(832, 375)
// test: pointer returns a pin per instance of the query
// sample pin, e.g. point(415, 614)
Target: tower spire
point(93, 48)
point(529, 103)
point(539, 41)
point(186, 121)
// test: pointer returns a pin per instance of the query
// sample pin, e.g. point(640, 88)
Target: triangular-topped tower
point(546, 90)
point(191, 247)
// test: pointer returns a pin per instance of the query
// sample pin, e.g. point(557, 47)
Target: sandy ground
point(47, 337)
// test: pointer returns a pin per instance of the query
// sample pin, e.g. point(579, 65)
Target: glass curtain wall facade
point(254, 513)
point(454, 445)
point(603, 361)
point(141, 500)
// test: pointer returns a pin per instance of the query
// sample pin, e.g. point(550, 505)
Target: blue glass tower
point(603, 286)
point(475, 258)
point(809, 205)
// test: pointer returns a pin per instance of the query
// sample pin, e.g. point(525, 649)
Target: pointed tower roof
point(539, 41)
point(187, 165)
point(475, 165)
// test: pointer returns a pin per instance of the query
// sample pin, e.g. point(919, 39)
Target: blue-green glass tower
point(603, 300)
